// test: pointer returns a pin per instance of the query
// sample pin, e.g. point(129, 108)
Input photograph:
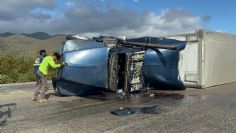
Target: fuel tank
point(160, 67)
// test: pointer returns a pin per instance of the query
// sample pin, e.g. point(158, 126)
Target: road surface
point(190, 110)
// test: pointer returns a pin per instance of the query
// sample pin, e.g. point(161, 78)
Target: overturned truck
point(194, 60)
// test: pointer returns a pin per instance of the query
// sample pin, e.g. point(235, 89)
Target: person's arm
point(53, 64)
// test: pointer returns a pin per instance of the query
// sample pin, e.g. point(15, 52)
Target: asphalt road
point(191, 110)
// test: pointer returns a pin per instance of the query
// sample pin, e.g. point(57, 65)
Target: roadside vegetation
point(17, 54)
point(14, 69)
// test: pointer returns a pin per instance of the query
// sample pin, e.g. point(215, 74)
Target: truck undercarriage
point(125, 69)
point(125, 65)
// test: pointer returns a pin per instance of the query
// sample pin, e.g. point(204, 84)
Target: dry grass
point(27, 46)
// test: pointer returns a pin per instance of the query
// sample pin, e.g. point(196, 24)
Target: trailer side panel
point(219, 59)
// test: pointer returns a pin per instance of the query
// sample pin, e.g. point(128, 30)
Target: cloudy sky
point(117, 17)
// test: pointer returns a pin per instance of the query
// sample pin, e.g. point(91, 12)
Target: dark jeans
point(41, 85)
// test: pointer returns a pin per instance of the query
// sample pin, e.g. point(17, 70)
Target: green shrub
point(5, 79)
point(15, 69)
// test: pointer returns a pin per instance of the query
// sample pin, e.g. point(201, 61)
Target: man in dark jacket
point(37, 61)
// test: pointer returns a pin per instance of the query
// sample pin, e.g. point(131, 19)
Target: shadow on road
point(5, 113)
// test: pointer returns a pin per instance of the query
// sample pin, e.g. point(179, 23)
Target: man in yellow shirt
point(48, 62)
point(37, 62)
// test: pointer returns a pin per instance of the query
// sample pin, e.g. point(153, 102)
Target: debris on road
point(138, 110)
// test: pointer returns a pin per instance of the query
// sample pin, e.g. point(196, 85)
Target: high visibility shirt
point(46, 63)
point(37, 61)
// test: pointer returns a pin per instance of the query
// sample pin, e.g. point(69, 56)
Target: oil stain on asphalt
point(142, 103)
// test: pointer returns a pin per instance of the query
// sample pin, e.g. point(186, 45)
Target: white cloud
point(11, 10)
point(85, 18)
point(221, 31)
point(89, 19)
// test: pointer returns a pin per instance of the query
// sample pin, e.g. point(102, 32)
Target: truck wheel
point(57, 92)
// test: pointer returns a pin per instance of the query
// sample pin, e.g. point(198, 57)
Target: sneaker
point(34, 99)
point(43, 100)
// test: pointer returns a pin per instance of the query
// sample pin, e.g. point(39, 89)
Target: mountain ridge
point(6, 34)
point(36, 35)
point(28, 46)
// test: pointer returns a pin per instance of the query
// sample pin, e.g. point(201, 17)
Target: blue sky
point(221, 12)
point(116, 17)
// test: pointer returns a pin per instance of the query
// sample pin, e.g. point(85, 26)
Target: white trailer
point(209, 58)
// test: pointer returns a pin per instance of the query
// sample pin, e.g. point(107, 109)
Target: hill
point(6, 34)
point(27, 46)
point(38, 35)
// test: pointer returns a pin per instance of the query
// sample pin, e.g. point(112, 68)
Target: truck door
point(85, 71)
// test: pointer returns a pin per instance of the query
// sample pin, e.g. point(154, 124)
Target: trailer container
point(209, 58)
